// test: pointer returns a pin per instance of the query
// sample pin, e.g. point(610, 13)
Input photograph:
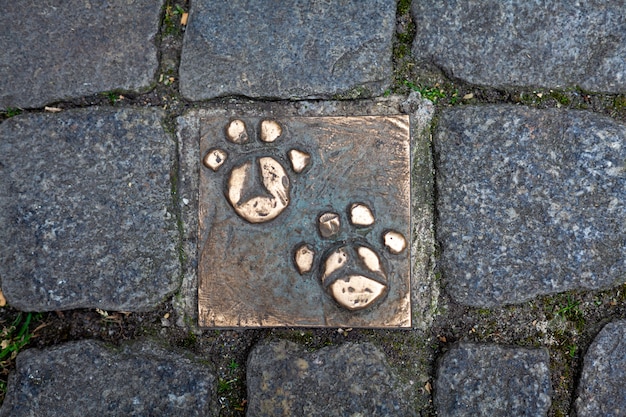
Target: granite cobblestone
point(54, 51)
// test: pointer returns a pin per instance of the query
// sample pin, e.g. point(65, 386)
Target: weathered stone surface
point(601, 391)
point(57, 50)
point(349, 380)
point(551, 44)
point(89, 379)
point(531, 202)
point(287, 49)
point(489, 380)
point(84, 206)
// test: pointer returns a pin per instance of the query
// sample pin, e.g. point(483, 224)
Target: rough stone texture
point(424, 285)
point(425, 295)
point(553, 44)
point(84, 207)
point(287, 49)
point(349, 380)
point(489, 380)
point(531, 202)
point(55, 50)
point(601, 391)
point(89, 379)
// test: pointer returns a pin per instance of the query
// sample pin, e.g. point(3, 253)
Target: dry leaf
point(428, 387)
point(442, 339)
point(3, 301)
point(468, 96)
point(183, 19)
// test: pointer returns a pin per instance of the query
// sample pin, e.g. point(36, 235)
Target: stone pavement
point(518, 211)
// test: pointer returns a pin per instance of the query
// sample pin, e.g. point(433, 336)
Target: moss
point(171, 20)
point(404, 6)
point(619, 102)
point(304, 338)
point(560, 97)
point(401, 50)
point(432, 93)
point(402, 43)
point(189, 341)
point(169, 125)
point(11, 112)
point(353, 94)
point(531, 341)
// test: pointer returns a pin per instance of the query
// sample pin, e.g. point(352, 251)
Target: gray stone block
point(492, 381)
point(601, 391)
point(349, 380)
point(89, 379)
point(84, 207)
point(516, 43)
point(531, 202)
point(56, 50)
point(287, 49)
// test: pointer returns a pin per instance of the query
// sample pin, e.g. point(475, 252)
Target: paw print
point(353, 272)
point(258, 185)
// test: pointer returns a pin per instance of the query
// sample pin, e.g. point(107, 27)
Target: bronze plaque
point(304, 221)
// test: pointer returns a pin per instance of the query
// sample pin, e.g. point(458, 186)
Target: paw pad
point(352, 272)
point(258, 187)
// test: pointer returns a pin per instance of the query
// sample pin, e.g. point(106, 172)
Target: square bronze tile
point(305, 221)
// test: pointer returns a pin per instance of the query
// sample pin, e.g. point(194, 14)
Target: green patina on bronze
point(304, 221)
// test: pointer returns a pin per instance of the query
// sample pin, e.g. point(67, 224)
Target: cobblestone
point(89, 379)
point(349, 380)
point(549, 44)
point(287, 49)
point(490, 380)
point(62, 50)
point(531, 202)
point(601, 391)
point(86, 211)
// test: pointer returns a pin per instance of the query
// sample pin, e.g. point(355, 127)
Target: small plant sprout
point(233, 365)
